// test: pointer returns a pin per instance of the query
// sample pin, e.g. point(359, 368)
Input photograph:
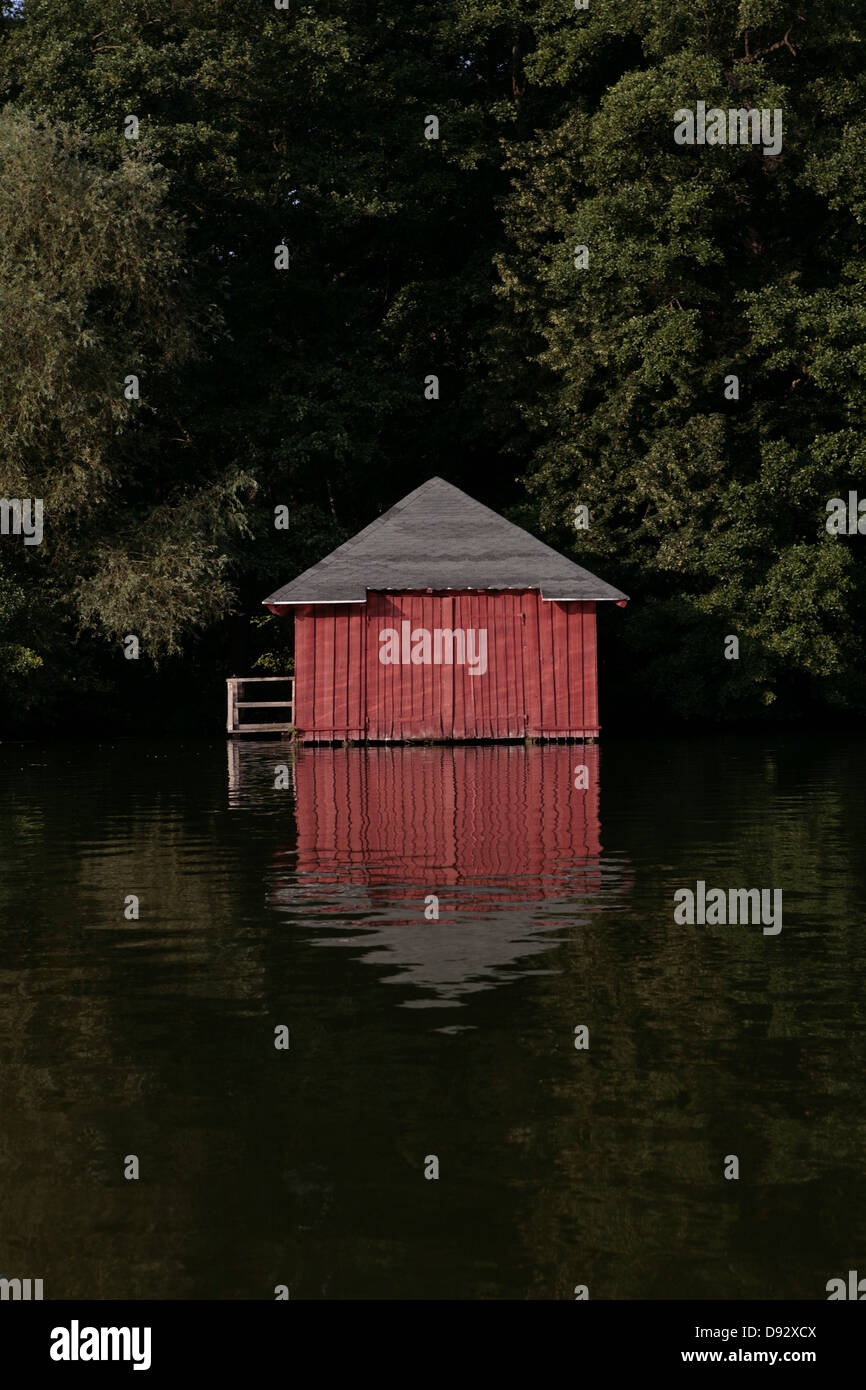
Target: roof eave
point(274, 603)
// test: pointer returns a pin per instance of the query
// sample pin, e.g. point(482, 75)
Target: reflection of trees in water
point(107, 1025)
point(704, 1043)
point(559, 1167)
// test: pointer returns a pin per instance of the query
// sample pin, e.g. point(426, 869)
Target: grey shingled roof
point(438, 538)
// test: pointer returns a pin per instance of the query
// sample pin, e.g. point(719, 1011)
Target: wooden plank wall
point(540, 679)
point(330, 693)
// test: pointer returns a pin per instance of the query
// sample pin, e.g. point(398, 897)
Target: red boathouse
point(441, 620)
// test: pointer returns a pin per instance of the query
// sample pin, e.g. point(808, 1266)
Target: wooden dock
point(236, 701)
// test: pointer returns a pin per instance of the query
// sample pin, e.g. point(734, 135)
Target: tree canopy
point(600, 378)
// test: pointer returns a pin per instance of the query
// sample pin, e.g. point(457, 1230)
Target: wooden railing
point(234, 688)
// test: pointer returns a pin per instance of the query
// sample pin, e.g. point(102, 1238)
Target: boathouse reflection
point(452, 865)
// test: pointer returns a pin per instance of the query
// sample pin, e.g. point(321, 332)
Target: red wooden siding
point(560, 668)
point(501, 822)
point(538, 678)
point(329, 671)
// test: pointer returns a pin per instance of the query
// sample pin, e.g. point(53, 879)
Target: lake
point(472, 955)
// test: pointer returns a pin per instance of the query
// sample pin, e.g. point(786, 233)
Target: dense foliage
point(411, 257)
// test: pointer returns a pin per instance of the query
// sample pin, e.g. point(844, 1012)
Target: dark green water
point(411, 1037)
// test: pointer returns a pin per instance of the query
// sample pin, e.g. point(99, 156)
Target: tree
point(703, 263)
point(601, 378)
point(92, 299)
point(306, 129)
